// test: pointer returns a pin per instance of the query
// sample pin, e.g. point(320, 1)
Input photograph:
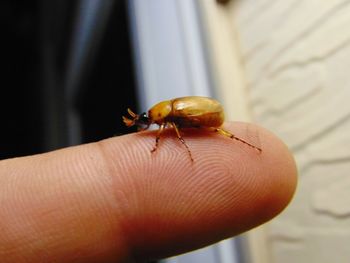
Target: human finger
point(114, 201)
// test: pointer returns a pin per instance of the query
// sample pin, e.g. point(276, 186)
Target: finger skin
point(114, 201)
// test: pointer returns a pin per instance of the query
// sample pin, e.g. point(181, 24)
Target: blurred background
point(71, 68)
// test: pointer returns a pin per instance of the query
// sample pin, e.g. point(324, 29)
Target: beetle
point(184, 112)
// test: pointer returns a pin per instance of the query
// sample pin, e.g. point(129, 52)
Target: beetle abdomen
point(212, 119)
point(205, 120)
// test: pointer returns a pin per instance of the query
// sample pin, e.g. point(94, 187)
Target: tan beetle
point(185, 112)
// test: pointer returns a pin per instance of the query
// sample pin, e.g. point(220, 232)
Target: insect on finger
point(185, 112)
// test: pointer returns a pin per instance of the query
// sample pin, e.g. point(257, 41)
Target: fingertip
point(277, 177)
point(227, 189)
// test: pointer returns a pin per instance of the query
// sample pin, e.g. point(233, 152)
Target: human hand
point(114, 201)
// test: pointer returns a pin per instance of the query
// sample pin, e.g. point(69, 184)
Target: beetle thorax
point(160, 111)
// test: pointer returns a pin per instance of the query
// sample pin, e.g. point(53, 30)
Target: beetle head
point(141, 121)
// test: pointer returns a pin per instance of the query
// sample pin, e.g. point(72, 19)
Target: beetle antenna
point(128, 122)
point(132, 114)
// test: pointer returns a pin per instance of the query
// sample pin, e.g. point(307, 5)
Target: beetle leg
point(181, 139)
point(160, 130)
point(228, 134)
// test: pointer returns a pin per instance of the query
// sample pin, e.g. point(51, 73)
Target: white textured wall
point(287, 64)
point(296, 59)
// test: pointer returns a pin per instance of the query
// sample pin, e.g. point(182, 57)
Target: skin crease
point(114, 201)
